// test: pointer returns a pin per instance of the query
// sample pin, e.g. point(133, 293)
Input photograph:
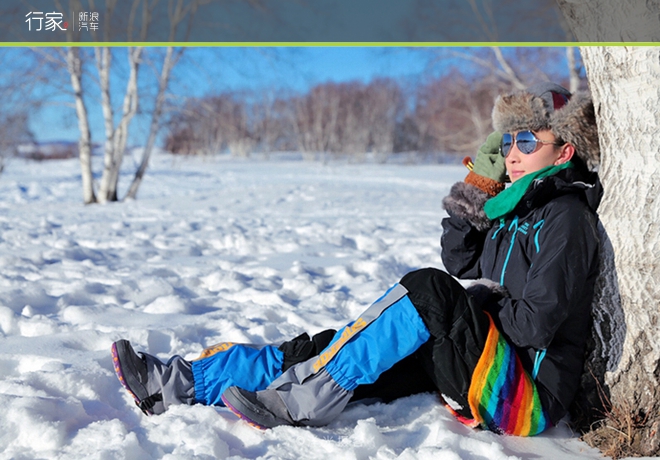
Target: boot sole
point(232, 406)
point(125, 371)
point(254, 414)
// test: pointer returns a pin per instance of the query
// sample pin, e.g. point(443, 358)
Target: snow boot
point(314, 392)
point(248, 407)
point(153, 384)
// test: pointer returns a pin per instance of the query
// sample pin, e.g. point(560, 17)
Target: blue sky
point(299, 68)
point(211, 70)
point(207, 70)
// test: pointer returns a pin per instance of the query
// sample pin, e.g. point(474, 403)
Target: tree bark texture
point(624, 86)
point(74, 66)
point(613, 21)
point(116, 136)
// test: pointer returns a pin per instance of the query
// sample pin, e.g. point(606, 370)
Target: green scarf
point(504, 202)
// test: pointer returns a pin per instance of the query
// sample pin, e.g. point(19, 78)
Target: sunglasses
point(526, 141)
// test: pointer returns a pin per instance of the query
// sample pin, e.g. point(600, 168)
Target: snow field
point(213, 250)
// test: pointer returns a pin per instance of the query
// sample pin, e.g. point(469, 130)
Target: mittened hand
point(489, 162)
point(489, 170)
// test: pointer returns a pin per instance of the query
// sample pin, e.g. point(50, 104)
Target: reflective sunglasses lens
point(507, 140)
point(526, 142)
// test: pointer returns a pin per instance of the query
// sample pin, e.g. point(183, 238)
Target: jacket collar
point(507, 200)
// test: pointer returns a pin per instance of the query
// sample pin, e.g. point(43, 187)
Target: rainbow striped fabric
point(502, 395)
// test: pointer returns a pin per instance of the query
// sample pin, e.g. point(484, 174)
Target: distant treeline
point(449, 114)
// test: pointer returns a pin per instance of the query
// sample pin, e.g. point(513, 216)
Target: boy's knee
point(430, 281)
point(438, 298)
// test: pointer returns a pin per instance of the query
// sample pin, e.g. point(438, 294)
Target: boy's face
point(519, 164)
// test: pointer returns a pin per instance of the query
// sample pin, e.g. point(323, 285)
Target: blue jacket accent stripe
point(540, 354)
point(514, 227)
point(538, 226)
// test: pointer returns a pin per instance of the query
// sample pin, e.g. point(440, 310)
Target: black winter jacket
point(545, 253)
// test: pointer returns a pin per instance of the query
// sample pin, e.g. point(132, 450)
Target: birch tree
point(116, 136)
point(178, 12)
point(75, 69)
point(624, 85)
point(116, 128)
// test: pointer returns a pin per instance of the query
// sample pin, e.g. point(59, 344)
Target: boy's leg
point(407, 377)
point(252, 367)
point(459, 329)
point(316, 391)
point(155, 385)
point(427, 304)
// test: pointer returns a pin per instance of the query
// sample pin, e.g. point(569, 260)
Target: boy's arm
point(465, 230)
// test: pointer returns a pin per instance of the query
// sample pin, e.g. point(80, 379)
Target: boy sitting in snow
point(505, 354)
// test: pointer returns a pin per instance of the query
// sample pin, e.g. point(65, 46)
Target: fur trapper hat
point(549, 106)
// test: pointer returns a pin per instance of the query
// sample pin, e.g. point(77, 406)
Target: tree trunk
point(612, 21)
point(624, 85)
point(74, 66)
point(169, 62)
point(103, 64)
point(116, 137)
point(129, 109)
point(573, 69)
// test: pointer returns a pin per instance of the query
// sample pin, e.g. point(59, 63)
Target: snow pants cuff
point(314, 392)
point(250, 367)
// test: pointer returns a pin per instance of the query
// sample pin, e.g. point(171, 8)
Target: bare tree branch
point(507, 69)
point(170, 60)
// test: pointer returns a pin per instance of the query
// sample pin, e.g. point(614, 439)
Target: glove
point(467, 202)
point(485, 291)
point(488, 172)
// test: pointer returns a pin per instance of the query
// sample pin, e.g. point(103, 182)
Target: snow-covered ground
point(213, 250)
